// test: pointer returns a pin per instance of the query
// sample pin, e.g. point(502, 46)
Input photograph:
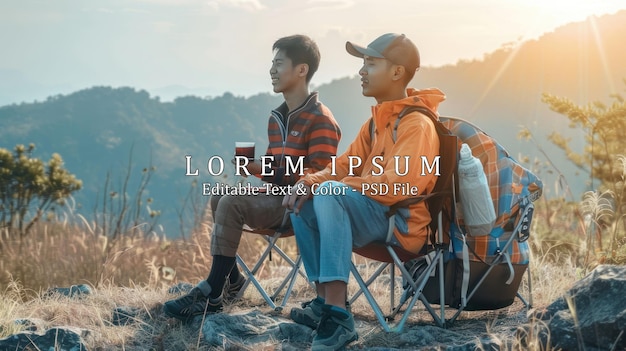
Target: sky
point(207, 47)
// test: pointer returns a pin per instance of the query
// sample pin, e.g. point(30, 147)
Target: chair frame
point(397, 262)
point(272, 236)
point(437, 262)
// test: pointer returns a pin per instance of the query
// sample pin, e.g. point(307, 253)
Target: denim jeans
point(329, 225)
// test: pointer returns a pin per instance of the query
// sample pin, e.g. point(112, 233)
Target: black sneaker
point(232, 290)
point(335, 330)
point(195, 303)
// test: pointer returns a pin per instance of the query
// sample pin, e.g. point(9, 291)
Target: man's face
point(284, 75)
point(376, 76)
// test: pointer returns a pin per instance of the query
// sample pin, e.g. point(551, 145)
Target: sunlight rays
point(588, 33)
point(600, 46)
point(494, 80)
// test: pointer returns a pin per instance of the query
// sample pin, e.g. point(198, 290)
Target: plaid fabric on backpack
point(512, 188)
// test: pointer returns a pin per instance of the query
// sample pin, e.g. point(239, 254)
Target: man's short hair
point(300, 49)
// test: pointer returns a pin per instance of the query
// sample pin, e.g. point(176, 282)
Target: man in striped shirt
point(301, 127)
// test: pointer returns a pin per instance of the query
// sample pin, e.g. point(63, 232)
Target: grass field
point(137, 270)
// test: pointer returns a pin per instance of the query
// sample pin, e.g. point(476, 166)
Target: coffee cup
point(245, 149)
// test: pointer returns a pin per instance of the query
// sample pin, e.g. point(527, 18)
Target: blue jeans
point(329, 225)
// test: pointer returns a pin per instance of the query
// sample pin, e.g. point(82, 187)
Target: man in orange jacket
point(349, 198)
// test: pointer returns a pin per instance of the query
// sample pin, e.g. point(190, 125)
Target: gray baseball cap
point(396, 48)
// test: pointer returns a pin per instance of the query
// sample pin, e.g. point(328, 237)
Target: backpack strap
point(404, 112)
point(409, 109)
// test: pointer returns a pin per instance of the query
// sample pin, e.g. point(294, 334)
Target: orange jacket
point(416, 138)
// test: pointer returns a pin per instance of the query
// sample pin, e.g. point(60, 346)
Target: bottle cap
point(466, 152)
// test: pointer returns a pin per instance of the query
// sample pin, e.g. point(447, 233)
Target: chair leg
point(528, 304)
point(375, 275)
point(392, 287)
point(375, 307)
point(530, 288)
point(251, 279)
point(419, 288)
point(288, 282)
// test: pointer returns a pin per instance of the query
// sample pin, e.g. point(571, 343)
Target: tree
point(29, 188)
point(602, 158)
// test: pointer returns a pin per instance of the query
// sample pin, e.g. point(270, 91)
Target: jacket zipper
point(284, 129)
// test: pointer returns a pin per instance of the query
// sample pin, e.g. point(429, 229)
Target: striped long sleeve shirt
point(309, 131)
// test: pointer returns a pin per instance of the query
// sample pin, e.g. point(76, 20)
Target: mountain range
point(101, 130)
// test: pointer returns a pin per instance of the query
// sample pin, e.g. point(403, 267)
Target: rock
point(592, 315)
point(23, 324)
point(30, 324)
point(429, 337)
point(252, 328)
point(58, 339)
point(548, 312)
point(72, 291)
point(124, 316)
point(180, 288)
point(295, 333)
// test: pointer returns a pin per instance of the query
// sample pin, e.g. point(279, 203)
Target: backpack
point(513, 188)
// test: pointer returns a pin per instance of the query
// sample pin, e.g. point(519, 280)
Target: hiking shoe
point(335, 330)
point(232, 290)
point(310, 313)
point(195, 303)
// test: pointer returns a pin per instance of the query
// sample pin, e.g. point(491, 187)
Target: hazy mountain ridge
point(94, 129)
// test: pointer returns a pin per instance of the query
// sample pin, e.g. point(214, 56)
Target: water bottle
point(479, 214)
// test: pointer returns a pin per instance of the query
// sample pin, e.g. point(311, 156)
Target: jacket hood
point(388, 111)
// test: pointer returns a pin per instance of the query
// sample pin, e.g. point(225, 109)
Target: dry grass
point(63, 255)
point(153, 331)
point(136, 272)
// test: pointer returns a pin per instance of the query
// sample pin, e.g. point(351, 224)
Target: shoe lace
point(190, 299)
point(307, 303)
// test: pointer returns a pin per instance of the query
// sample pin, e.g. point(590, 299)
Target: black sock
point(234, 274)
point(221, 267)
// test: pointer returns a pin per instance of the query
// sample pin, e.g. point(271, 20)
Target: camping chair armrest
point(393, 209)
point(390, 228)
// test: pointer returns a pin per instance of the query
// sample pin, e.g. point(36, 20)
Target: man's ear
point(398, 72)
point(303, 69)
